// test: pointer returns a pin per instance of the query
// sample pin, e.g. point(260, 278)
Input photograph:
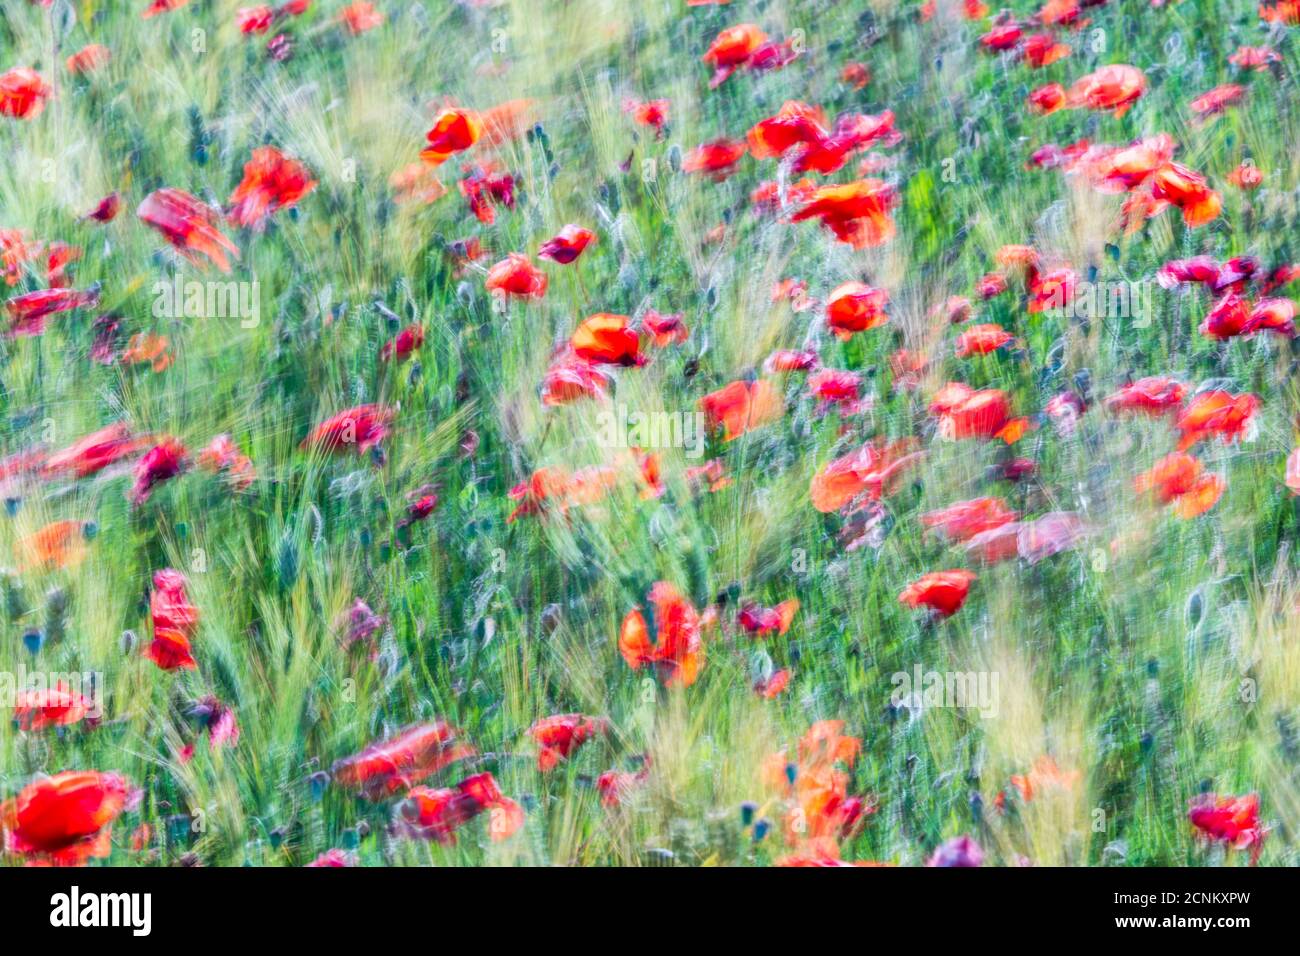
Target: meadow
point(884, 450)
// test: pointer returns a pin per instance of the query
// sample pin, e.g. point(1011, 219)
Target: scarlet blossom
point(963, 520)
point(966, 413)
point(1042, 49)
point(162, 6)
point(1189, 191)
point(718, 158)
point(422, 504)
point(454, 130)
point(1155, 395)
point(1178, 479)
point(189, 225)
point(1246, 177)
point(23, 93)
point(1254, 57)
point(484, 188)
point(360, 16)
point(437, 814)
point(567, 245)
point(1062, 12)
point(855, 307)
point(1232, 821)
point(91, 57)
point(790, 360)
point(837, 387)
point(867, 473)
point(1052, 156)
point(944, 592)
point(222, 455)
point(759, 621)
point(678, 650)
point(60, 544)
point(1218, 99)
point(403, 345)
point(516, 276)
point(165, 460)
point(857, 213)
point(1196, 269)
point(772, 686)
point(174, 619)
point(821, 811)
point(1216, 412)
point(741, 407)
point(95, 452)
point(560, 735)
point(1003, 37)
point(1232, 316)
point(571, 379)
point(254, 20)
point(652, 113)
point(1052, 290)
point(1113, 169)
point(731, 49)
point(793, 125)
point(982, 339)
point(855, 75)
point(1047, 99)
point(664, 330)
point(333, 859)
point(607, 339)
point(66, 819)
point(991, 285)
point(960, 851)
point(28, 312)
point(554, 489)
point(147, 349)
point(106, 209)
point(361, 428)
point(390, 765)
point(615, 786)
point(272, 181)
point(1116, 87)
point(57, 706)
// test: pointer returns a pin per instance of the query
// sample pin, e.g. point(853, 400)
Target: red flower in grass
point(607, 339)
point(965, 519)
point(28, 312)
point(174, 619)
point(665, 330)
point(944, 592)
point(570, 379)
point(984, 414)
point(731, 49)
point(1116, 87)
point(1178, 479)
point(717, 157)
point(359, 17)
point(454, 130)
point(652, 113)
point(88, 59)
point(106, 209)
point(223, 455)
point(394, 764)
point(189, 225)
point(436, 814)
point(982, 339)
point(22, 93)
point(1232, 821)
point(567, 245)
point(403, 345)
point(759, 621)
point(790, 360)
point(741, 407)
point(1047, 99)
point(66, 819)
point(165, 460)
point(1293, 472)
point(857, 213)
point(1216, 412)
point(272, 181)
point(855, 307)
point(95, 452)
point(59, 706)
point(559, 735)
point(359, 428)
point(516, 276)
point(1218, 99)
point(1189, 191)
point(678, 651)
point(868, 472)
point(1155, 395)
point(484, 186)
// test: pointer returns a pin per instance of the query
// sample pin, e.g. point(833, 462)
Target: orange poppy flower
point(1189, 191)
point(223, 455)
point(855, 75)
point(944, 592)
point(507, 121)
point(410, 756)
point(272, 181)
point(88, 59)
point(857, 212)
point(869, 471)
point(558, 736)
point(982, 339)
point(741, 407)
point(605, 338)
point(1044, 775)
point(147, 348)
point(360, 16)
point(66, 819)
point(516, 276)
point(731, 49)
point(1216, 412)
point(568, 244)
point(23, 93)
point(437, 814)
point(1042, 49)
point(1116, 87)
point(965, 519)
point(855, 307)
point(454, 130)
point(571, 379)
point(60, 544)
point(1246, 177)
point(718, 158)
point(189, 225)
point(678, 650)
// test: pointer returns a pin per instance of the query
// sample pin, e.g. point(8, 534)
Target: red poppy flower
point(789, 360)
point(855, 75)
point(28, 312)
point(359, 428)
point(254, 20)
point(189, 225)
point(718, 158)
point(614, 786)
point(60, 544)
point(731, 49)
point(162, 6)
point(95, 452)
point(1047, 99)
point(665, 330)
point(1188, 190)
point(272, 181)
point(1216, 412)
point(1293, 471)
point(1201, 269)
point(1246, 177)
point(1116, 87)
point(836, 387)
point(1178, 478)
point(991, 285)
point(942, 591)
point(391, 765)
point(558, 736)
point(1052, 290)
point(567, 245)
point(1254, 57)
point(516, 276)
point(857, 213)
point(66, 819)
point(773, 686)
point(23, 93)
point(982, 339)
point(360, 16)
point(966, 413)
point(759, 621)
point(869, 471)
point(571, 379)
point(1002, 37)
point(106, 209)
point(1218, 99)
point(174, 619)
point(165, 460)
point(88, 59)
point(741, 407)
point(652, 113)
point(454, 130)
point(223, 455)
point(1042, 49)
point(59, 706)
point(1156, 395)
point(437, 814)
point(607, 339)
point(404, 344)
point(484, 187)
point(965, 519)
point(855, 307)
point(1233, 821)
point(678, 651)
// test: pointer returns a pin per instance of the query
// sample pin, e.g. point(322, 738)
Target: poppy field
point(657, 433)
